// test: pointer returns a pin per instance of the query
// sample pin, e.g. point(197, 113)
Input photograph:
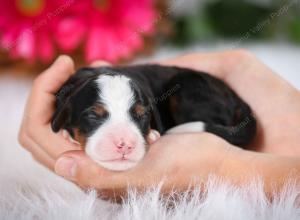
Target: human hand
point(180, 158)
point(275, 103)
point(174, 160)
point(194, 155)
point(35, 134)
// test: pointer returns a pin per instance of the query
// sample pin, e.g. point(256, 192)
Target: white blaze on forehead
point(116, 94)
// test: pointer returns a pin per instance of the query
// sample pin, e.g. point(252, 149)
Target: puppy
point(110, 110)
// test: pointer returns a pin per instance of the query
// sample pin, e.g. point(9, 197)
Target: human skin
point(183, 158)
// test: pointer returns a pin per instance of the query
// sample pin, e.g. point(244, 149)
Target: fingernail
point(66, 167)
point(62, 58)
point(151, 136)
point(154, 135)
point(99, 63)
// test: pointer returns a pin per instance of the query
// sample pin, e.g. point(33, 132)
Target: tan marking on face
point(140, 109)
point(99, 109)
point(79, 137)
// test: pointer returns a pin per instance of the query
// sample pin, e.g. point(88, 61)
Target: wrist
point(229, 159)
point(211, 156)
point(240, 167)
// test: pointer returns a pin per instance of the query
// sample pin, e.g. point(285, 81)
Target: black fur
point(173, 96)
point(73, 104)
point(142, 121)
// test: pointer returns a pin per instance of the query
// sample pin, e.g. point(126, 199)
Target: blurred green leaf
point(232, 18)
point(294, 29)
point(239, 19)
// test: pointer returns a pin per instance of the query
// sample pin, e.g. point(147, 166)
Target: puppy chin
point(117, 164)
point(101, 148)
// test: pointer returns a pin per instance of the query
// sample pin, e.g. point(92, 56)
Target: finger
point(56, 75)
point(37, 152)
point(68, 137)
point(153, 136)
point(40, 106)
point(78, 167)
point(99, 63)
point(54, 144)
point(206, 62)
point(220, 64)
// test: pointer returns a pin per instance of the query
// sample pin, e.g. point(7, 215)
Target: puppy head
point(109, 114)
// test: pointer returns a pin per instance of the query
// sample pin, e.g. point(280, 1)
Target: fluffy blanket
point(29, 191)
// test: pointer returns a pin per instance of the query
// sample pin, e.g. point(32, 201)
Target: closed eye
point(94, 116)
point(95, 112)
point(91, 119)
point(99, 110)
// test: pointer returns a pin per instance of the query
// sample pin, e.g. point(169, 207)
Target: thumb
point(81, 169)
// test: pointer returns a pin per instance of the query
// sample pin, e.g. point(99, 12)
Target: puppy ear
point(63, 112)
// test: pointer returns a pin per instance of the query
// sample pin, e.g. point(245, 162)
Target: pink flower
point(20, 36)
point(106, 29)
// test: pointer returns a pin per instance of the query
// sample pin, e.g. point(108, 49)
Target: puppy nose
point(124, 147)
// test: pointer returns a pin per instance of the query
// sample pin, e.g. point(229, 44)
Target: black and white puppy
point(110, 110)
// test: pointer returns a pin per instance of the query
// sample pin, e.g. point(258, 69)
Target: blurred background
point(34, 32)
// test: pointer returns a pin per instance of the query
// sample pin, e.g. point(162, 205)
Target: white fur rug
point(28, 191)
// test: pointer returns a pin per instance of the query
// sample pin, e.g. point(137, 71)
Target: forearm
point(240, 167)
